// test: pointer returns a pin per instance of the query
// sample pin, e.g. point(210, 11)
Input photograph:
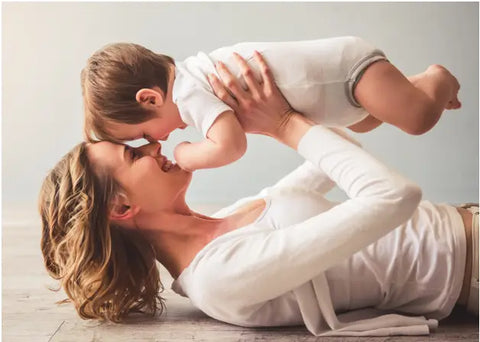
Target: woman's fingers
point(230, 81)
point(263, 113)
point(248, 75)
point(221, 92)
point(267, 77)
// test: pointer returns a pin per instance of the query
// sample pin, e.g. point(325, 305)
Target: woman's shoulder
point(211, 269)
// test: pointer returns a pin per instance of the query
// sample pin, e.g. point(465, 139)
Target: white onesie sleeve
point(197, 104)
point(256, 265)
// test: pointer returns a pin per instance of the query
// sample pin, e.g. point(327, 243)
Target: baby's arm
point(225, 143)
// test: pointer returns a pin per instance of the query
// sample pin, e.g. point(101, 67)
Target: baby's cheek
point(159, 127)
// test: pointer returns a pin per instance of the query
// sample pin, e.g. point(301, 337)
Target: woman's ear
point(150, 97)
point(122, 209)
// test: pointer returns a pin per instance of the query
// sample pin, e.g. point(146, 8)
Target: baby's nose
point(164, 138)
point(150, 139)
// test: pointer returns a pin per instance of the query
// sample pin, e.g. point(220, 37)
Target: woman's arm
point(274, 262)
point(308, 177)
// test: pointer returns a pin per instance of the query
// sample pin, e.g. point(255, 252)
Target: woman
point(286, 256)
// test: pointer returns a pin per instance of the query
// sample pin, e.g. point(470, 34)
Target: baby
point(131, 92)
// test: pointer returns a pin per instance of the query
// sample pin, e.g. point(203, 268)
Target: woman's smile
point(167, 165)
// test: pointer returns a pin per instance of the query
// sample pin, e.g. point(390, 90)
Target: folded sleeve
point(262, 264)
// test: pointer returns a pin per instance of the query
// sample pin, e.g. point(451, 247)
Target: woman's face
point(149, 179)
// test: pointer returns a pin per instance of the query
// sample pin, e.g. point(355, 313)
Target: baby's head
point(124, 89)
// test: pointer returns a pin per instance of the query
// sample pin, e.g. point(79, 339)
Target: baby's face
point(157, 128)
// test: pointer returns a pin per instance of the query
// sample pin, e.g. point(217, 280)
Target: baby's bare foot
point(439, 73)
point(453, 103)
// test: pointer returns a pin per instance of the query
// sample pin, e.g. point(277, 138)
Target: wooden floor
point(30, 313)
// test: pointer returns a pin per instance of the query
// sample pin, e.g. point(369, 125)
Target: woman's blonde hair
point(106, 271)
point(110, 81)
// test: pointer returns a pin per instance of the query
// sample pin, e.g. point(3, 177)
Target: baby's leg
point(412, 104)
point(366, 125)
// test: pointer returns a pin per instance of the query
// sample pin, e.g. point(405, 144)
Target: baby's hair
point(106, 271)
point(110, 81)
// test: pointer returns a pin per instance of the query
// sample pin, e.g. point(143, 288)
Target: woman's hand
point(261, 108)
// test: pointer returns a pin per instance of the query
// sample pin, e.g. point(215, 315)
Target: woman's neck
point(182, 236)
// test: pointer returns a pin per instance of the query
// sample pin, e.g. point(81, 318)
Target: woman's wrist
point(292, 130)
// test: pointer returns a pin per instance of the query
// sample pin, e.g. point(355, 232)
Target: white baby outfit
point(340, 269)
point(316, 77)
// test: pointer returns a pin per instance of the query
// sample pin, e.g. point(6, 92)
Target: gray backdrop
point(45, 45)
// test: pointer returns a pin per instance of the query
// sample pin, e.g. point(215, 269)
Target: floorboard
point(30, 313)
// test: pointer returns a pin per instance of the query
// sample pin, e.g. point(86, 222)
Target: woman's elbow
point(409, 197)
point(413, 194)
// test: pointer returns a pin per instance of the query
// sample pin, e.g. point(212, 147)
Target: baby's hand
point(181, 156)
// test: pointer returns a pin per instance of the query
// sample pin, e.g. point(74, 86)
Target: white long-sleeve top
point(261, 276)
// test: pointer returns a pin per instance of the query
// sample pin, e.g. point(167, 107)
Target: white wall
point(45, 45)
